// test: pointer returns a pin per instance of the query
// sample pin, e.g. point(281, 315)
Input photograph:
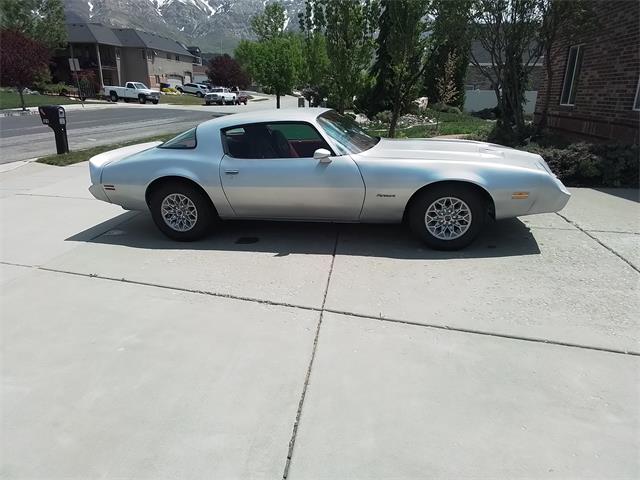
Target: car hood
point(445, 150)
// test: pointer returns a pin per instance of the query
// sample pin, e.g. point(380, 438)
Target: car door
point(264, 176)
point(130, 90)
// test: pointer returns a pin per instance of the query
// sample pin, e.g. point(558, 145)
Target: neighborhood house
point(595, 80)
point(119, 55)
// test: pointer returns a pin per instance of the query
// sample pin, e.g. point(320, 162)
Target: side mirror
point(322, 155)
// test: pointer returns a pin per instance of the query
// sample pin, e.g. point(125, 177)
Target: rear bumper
point(551, 199)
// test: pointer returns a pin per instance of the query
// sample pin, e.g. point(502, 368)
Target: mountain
point(212, 25)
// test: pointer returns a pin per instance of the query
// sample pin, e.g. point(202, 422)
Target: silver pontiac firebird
point(317, 165)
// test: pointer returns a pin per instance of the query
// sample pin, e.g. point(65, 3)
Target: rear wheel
point(200, 94)
point(113, 96)
point(448, 217)
point(155, 102)
point(181, 211)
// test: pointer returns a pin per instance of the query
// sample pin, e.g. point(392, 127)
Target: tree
point(401, 53)
point(41, 20)
point(449, 35)
point(569, 17)
point(21, 60)
point(275, 63)
point(227, 72)
point(349, 27)
point(270, 23)
point(508, 30)
point(448, 91)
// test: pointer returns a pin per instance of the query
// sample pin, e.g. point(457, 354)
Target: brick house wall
point(607, 83)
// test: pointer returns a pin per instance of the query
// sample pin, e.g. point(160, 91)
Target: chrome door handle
point(231, 172)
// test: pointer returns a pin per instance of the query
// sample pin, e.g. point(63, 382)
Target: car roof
point(279, 115)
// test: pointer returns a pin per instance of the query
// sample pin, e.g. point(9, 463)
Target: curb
point(18, 113)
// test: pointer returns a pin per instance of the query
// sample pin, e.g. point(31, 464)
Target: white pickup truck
point(220, 95)
point(132, 91)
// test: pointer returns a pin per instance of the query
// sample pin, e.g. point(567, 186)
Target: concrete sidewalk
point(314, 351)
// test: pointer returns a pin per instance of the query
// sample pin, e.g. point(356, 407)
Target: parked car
point(220, 95)
point(315, 164)
point(198, 89)
point(242, 97)
point(132, 91)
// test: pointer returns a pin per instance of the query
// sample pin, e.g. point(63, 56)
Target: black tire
point(180, 90)
point(206, 214)
point(199, 94)
point(113, 96)
point(475, 202)
point(155, 102)
point(142, 99)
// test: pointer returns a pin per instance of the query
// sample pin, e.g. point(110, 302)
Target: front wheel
point(142, 99)
point(448, 217)
point(181, 211)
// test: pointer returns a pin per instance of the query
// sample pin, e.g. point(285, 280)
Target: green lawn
point(83, 155)
point(448, 124)
point(185, 99)
point(12, 100)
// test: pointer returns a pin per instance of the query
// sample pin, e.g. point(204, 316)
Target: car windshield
point(139, 86)
point(346, 133)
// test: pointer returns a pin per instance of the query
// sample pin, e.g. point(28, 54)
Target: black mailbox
point(55, 117)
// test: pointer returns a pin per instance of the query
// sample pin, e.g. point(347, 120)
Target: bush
point(383, 117)
point(486, 114)
point(592, 165)
point(441, 107)
point(57, 88)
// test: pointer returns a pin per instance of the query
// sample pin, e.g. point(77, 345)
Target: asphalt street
point(24, 137)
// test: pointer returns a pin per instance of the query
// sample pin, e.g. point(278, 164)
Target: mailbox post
point(55, 117)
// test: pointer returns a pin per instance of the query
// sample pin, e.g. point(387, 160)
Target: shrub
point(383, 117)
point(57, 88)
point(485, 113)
point(592, 165)
point(441, 107)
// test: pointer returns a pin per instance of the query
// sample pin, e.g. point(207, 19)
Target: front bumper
point(97, 191)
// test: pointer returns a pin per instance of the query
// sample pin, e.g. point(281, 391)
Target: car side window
point(186, 140)
point(129, 85)
point(274, 140)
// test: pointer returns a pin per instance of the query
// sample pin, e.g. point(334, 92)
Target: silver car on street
point(317, 165)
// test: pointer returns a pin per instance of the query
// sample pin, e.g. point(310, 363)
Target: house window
point(178, 57)
point(571, 75)
point(144, 55)
point(636, 102)
point(168, 56)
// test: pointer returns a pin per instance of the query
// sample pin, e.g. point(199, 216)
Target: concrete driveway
point(314, 351)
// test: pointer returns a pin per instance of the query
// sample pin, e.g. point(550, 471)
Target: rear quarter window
point(183, 141)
